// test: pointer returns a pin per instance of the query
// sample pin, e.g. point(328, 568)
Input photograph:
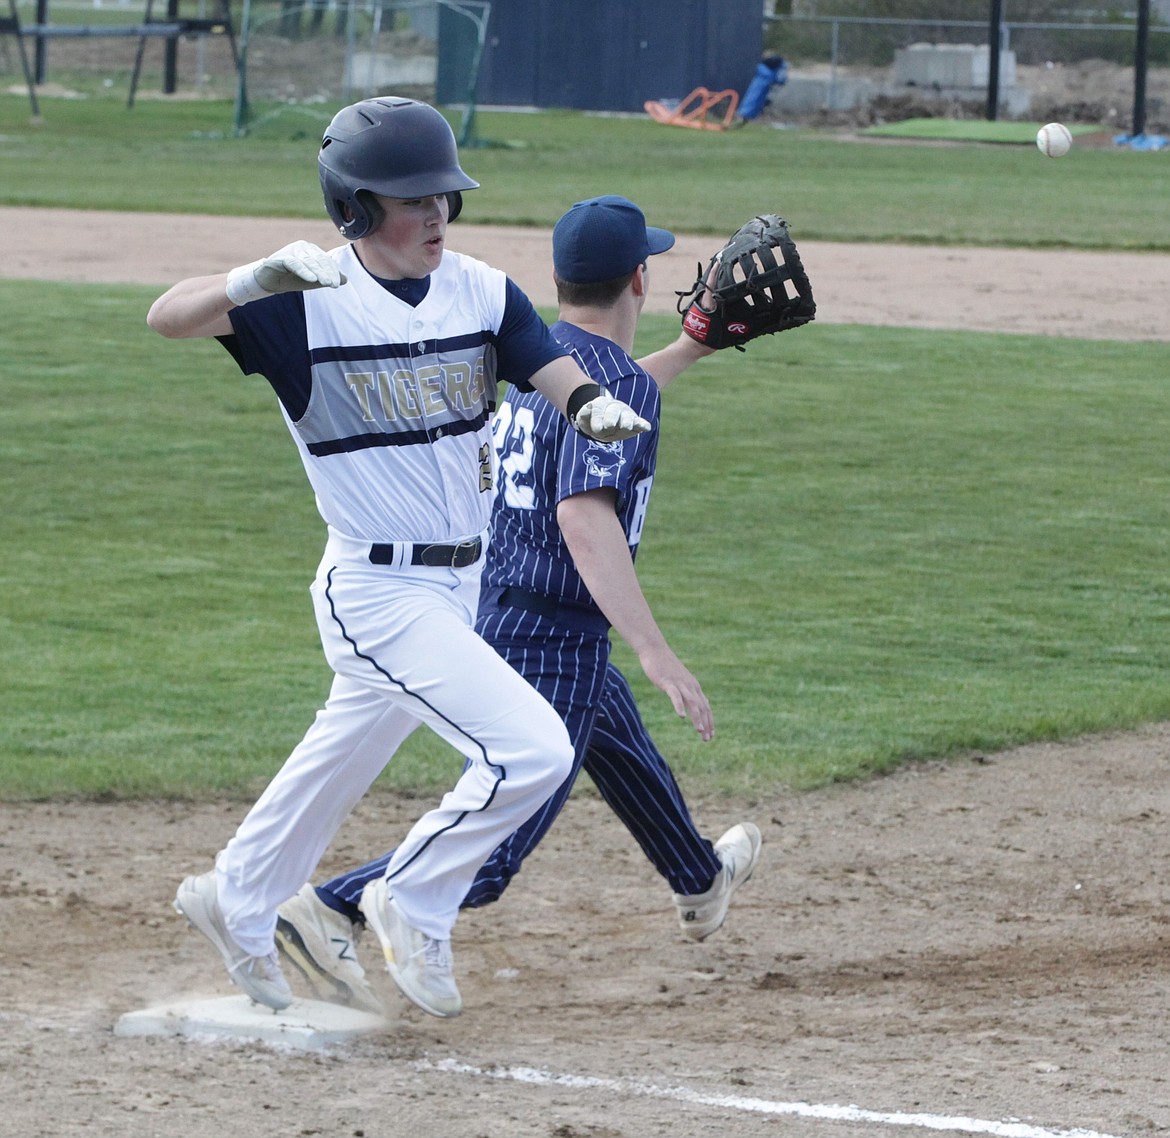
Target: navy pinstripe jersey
point(542, 460)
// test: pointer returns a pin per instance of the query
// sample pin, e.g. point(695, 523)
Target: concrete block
point(371, 71)
point(951, 65)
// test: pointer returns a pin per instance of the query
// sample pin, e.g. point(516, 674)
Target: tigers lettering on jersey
point(394, 430)
point(418, 386)
point(412, 396)
point(354, 408)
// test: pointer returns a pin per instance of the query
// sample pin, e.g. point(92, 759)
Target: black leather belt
point(580, 617)
point(451, 556)
point(540, 603)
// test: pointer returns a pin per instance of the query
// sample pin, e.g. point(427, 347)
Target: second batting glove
point(608, 420)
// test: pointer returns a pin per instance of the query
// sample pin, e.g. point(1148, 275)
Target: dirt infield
point(1096, 295)
point(980, 947)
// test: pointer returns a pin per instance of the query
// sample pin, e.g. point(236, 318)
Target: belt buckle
point(466, 553)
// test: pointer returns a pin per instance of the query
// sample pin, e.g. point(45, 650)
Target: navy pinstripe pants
point(571, 668)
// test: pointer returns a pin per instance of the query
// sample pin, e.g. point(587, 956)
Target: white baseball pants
point(401, 643)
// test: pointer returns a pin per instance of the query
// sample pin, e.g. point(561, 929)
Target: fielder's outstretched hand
point(608, 420)
point(295, 268)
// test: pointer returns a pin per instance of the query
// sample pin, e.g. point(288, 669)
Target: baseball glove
point(758, 284)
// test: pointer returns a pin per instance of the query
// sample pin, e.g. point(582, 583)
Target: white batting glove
point(295, 268)
point(608, 420)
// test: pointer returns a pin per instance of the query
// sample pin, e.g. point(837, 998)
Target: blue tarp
point(1142, 141)
point(772, 71)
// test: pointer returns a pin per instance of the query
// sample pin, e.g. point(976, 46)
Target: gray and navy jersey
point(388, 389)
point(542, 460)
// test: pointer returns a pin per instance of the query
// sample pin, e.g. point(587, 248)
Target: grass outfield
point(871, 544)
point(970, 130)
point(174, 156)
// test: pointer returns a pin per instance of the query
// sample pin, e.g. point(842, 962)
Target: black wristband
point(578, 397)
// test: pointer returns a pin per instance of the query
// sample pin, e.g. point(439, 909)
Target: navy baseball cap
point(604, 238)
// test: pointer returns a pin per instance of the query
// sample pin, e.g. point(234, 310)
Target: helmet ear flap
point(454, 205)
point(354, 215)
point(369, 206)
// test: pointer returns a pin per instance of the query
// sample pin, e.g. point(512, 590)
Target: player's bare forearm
point(593, 532)
point(667, 364)
point(197, 306)
point(595, 538)
point(557, 380)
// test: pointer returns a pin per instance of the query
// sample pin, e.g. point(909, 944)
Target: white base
point(309, 1025)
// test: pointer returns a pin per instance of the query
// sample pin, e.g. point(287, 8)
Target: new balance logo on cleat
point(344, 948)
point(321, 945)
point(738, 851)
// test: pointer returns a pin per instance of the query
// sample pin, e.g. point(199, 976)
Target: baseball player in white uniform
point(559, 572)
point(384, 356)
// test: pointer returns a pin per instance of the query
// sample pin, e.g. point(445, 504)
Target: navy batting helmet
point(398, 148)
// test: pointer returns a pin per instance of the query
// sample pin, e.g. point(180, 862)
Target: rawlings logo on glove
point(696, 322)
point(754, 286)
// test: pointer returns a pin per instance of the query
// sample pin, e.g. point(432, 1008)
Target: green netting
point(309, 57)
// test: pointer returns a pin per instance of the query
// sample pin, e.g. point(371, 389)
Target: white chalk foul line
point(828, 1111)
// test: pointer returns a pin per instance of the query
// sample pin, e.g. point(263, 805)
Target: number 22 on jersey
point(512, 434)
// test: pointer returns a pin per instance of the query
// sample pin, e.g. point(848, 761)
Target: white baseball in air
point(1054, 140)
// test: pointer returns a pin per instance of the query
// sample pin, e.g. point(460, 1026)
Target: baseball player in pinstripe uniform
point(384, 356)
point(559, 573)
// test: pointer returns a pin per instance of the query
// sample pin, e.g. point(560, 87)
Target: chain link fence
point(872, 41)
point(869, 69)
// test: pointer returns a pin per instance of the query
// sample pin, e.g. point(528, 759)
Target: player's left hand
point(609, 420)
point(668, 673)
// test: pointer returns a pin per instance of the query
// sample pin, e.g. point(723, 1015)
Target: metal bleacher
point(170, 28)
